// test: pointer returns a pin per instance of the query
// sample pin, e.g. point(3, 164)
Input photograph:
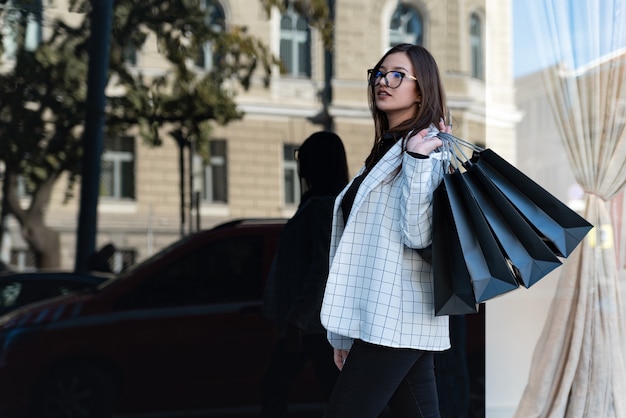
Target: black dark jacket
point(296, 282)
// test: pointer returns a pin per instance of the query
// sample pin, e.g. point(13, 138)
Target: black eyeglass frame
point(374, 81)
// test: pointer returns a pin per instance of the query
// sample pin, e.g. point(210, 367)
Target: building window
point(122, 259)
point(10, 24)
point(476, 47)
point(130, 55)
point(292, 181)
point(22, 259)
point(13, 19)
point(295, 44)
point(216, 21)
point(214, 173)
point(117, 176)
point(406, 26)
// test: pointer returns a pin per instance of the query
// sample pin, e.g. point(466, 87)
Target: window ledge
point(117, 206)
point(215, 209)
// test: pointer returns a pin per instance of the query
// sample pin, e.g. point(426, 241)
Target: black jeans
point(374, 376)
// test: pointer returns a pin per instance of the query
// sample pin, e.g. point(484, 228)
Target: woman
point(296, 283)
point(378, 303)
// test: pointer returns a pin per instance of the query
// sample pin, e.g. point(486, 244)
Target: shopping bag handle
point(453, 148)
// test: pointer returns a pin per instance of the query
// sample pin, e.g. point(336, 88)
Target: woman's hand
point(340, 357)
point(420, 144)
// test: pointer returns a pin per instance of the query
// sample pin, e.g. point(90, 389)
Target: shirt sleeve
point(339, 342)
point(419, 177)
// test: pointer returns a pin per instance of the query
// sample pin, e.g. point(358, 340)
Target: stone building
point(252, 171)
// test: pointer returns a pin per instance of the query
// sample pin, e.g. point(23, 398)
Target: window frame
point(215, 167)
point(291, 179)
point(117, 158)
point(400, 35)
point(216, 19)
point(477, 46)
point(297, 41)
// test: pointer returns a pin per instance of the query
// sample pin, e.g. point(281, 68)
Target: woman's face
point(398, 103)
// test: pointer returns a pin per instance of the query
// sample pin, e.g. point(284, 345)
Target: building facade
point(252, 170)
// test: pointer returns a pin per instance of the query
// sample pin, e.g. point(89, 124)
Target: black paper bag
point(531, 258)
point(563, 228)
point(489, 269)
point(453, 292)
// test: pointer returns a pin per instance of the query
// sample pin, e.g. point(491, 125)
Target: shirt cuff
point(417, 155)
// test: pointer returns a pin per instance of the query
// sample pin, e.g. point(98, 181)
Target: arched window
point(406, 26)
point(295, 44)
point(12, 19)
point(216, 20)
point(476, 47)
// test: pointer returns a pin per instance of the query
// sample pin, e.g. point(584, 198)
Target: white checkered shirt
point(379, 289)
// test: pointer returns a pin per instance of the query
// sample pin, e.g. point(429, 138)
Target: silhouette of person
point(101, 260)
point(296, 282)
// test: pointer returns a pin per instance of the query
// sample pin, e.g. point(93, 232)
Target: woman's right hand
point(340, 357)
point(422, 143)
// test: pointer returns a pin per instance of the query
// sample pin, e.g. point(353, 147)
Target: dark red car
point(181, 331)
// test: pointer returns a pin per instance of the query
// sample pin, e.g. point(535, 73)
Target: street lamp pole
point(93, 136)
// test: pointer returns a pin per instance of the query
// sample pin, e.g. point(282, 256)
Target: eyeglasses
point(393, 79)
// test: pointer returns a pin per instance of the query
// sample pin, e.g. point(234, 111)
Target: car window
point(228, 270)
point(13, 294)
point(9, 292)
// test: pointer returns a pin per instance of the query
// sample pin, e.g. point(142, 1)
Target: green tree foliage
point(43, 92)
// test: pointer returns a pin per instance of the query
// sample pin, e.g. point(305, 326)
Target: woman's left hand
point(340, 356)
point(419, 144)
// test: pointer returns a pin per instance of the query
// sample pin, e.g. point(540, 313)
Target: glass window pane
point(301, 24)
point(117, 168)
point(106, 178)
point(290, 174)
point(304, 63)
point(220, 186)
point(216, 21)
point(286, 55)
point(285, 22)
point(128, 179)
point(215, 174)
point(406, 25)
point(290, 186)
point(295, 44)
point(476, 42)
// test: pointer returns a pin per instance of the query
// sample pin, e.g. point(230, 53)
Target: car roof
point(53, 275)
point(243, 222)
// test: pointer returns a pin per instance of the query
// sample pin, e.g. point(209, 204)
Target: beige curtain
point(578, 367)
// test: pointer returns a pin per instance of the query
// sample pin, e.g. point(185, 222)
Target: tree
point(42, 94)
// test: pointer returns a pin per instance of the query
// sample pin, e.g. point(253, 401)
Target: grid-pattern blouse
point(379, 289)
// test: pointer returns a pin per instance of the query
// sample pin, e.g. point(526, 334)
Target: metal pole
point(192, 206)
point(181, 166)
point(327, 94)
point(99, 43)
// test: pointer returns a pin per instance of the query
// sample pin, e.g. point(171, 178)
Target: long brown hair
point(429, 86)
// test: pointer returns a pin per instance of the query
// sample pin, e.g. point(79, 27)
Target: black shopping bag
point(468, 265)
point(488, 267)
point(453, 292)
point(529, 255)
point(562, 228)
point(496, 216)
